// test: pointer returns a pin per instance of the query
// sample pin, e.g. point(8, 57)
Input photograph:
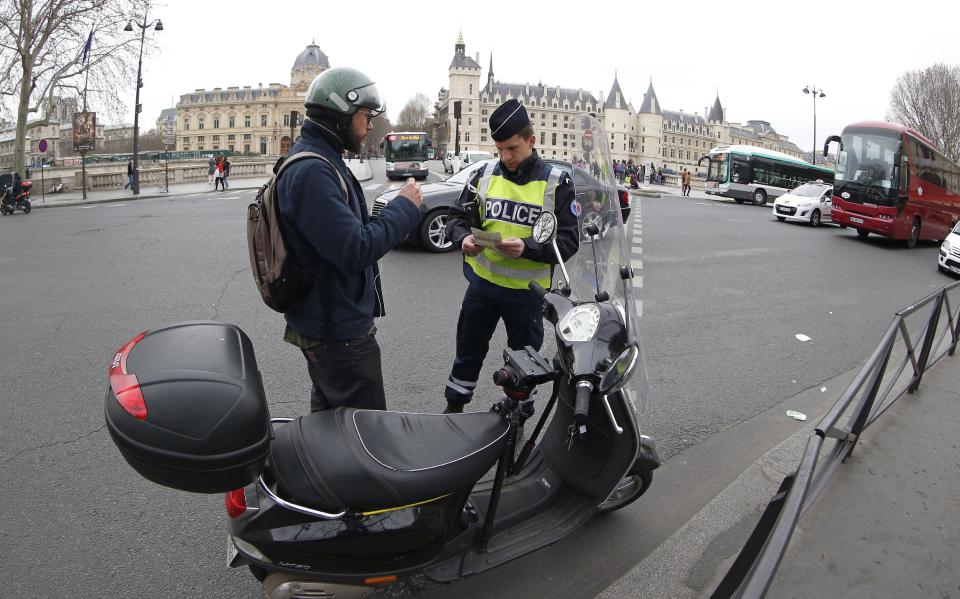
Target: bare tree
point(44, 54)
point(929, 101)
point(415, 115)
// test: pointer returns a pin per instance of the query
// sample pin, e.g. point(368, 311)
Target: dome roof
point(312, 56)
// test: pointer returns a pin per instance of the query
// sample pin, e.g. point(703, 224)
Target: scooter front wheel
point(628, 490)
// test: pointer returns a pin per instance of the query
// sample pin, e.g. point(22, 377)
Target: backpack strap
point(304, 155)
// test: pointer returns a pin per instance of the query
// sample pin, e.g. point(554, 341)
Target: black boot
point(453, 408)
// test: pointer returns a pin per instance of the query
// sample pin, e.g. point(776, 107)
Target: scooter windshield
point(598, 263)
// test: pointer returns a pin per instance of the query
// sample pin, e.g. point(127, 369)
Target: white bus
point(405, 154)
point(749, 173)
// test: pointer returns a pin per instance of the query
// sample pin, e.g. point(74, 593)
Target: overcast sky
point(759, 55)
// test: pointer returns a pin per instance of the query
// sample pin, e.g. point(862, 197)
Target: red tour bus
point(891, 181)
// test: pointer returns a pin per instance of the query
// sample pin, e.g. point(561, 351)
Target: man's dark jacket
point(337, 237)
point(568, 239)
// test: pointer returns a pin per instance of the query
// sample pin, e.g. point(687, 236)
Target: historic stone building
point(254, 120)
point(651, 135)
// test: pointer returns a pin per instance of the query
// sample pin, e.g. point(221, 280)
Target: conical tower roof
point(650, 103)
point(615, 97)
point(716, 113)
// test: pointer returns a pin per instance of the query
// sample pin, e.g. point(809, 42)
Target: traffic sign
point(42, 146)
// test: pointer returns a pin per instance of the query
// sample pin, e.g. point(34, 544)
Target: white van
point(448, 161)
point(465, 159)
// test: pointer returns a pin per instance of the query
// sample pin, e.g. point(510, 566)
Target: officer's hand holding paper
point(487, 239)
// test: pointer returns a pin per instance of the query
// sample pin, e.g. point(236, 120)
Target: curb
point(69, 203)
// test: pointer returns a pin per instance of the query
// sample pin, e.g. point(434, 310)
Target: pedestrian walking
point(330, 228)
point(211, 168)
point(129, 174)
point(498, 277)
point(218, 175)
point(226, 172)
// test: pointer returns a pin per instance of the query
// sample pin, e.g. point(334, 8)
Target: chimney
point(478, 57)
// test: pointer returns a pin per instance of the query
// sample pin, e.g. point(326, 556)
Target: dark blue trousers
point(478, 320)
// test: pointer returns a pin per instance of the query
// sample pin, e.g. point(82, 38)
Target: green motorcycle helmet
point(337, 93)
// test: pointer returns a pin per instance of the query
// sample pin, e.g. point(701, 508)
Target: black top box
point(186, 407)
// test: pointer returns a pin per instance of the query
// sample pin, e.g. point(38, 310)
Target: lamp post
point(810, 89)
point(157, 26)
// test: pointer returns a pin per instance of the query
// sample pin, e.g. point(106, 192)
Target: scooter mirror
point(545, 227)
point(617, 375)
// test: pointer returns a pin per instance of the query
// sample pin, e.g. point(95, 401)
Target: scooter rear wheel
point(630, 488)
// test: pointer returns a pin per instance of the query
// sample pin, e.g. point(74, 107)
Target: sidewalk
point(361, 171)
point(884, 526)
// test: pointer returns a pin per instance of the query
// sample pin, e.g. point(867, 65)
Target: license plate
point(854, 219)
point(231, 551)
point(955, 269)
point(781, 209)
point(711, 183)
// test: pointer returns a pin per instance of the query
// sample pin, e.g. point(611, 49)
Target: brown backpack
point(282, 280)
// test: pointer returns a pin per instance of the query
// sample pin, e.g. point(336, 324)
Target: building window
point(263, 144)
point(471, 89)
point(201, 139)
point(263, 122)
point(543, 138)
point(186, 140)
point(231, 147)
point(216, 138)
point(233, 122)
point(246, 148)
point(200, 123)
point(231, 137)
point(286, 120)
point(216, 123)
point(247, 137)
point(470, 122)
point(246, 120)
point(553, 138)
point(186, 124)
point(466, 136)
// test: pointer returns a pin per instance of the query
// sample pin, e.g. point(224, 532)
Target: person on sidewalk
point(211, 168)
point(226, 172)
point(218, 175)
point(506, 197)
point(334, 325)
point(129, 174)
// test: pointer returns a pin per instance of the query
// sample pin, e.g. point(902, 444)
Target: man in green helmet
point(336, 237)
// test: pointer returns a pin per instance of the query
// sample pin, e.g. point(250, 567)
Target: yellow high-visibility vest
point(511, 210)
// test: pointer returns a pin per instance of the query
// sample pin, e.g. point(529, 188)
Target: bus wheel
point(862, 234)
point(911, 242)
point(760, 197)
point(815, 219)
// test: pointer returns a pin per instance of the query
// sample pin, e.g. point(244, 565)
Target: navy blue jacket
point(337, 238)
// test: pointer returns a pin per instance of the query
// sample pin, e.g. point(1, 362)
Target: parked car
point(465, 159)
point(949, 260)
point(808, 203)
point(439, 197)
point(448, 161)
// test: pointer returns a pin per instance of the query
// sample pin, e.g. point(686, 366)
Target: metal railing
point(882, 380)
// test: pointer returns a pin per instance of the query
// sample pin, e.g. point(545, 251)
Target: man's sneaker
point(453, 409)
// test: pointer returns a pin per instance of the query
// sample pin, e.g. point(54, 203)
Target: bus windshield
point(865, 167)
point(718, 168)
point(399, 147)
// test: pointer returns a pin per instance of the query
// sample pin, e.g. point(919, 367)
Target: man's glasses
point(370, 116)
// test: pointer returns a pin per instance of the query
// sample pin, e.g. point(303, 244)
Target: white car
point(465, 159)
point(809, 203)
point(447, 161)
point(949, 260)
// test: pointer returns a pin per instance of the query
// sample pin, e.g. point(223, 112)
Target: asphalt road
point(725, 290)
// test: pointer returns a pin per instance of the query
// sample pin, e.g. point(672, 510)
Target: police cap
point(507, 120)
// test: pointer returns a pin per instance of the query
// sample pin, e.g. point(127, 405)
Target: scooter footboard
point(591, 465)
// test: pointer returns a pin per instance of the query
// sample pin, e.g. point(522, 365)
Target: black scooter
point(10, 203)
point(334, 503)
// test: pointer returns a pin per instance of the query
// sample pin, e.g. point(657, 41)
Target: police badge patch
point(575, 208)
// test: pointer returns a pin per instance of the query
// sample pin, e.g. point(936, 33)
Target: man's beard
point(351, 141)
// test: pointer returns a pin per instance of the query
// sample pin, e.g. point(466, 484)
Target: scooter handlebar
point(538, 289)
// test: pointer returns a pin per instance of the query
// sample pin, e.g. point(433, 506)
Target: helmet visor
point(368, 96)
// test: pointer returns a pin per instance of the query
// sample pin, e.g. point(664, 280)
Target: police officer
point(334, 325)
point(506, 198)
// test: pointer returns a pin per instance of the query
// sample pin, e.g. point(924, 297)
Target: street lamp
point(814, 92)
point(157, 26)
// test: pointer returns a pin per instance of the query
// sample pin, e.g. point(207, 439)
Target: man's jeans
point(346, 373)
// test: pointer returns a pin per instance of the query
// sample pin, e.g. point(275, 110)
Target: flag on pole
point(86, 48)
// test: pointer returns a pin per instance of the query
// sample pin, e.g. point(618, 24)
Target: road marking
point(639, 305)
point(637, 264)
point(372, 186)
point(116, 205)
point(640, 282)
point(90, 206)
point(712, 204)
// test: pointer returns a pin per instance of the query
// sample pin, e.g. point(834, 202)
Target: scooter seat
point(368, 460)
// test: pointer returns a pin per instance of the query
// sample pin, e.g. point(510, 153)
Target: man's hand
point(511, 247)
point(470, 247)
point(411, 191)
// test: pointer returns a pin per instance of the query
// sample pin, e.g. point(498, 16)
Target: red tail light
point(236, 502)
point(126, 387)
